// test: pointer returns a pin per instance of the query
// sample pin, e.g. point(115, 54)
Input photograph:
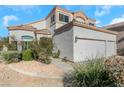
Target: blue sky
point(14, 15)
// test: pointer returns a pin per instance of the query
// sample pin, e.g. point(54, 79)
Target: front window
point(63, 18)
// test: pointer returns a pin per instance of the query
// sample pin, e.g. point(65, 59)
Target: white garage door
point(111, 48)
point(89, 49)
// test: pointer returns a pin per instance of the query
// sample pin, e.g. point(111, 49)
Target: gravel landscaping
point(37, 67)
point(9, 77)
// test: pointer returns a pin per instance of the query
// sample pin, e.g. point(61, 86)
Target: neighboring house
point(73, 33)
point(119, 28)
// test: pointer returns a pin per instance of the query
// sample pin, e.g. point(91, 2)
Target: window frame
point(91, 24)
point(63, 18)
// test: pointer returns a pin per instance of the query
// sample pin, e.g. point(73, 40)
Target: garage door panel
point(89, 49)
point(111, 48)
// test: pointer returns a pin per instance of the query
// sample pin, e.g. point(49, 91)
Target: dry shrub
point(115, 65)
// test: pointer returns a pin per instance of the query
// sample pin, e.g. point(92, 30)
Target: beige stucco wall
point(51, 27)
point(19, 33)
point(64, 42)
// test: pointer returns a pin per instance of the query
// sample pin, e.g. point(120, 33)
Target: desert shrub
point(27, 55)
point(47, 44)
point(11, 56)
point(115, 65)
point(42, 50)
point(43, 57)
point(91, 74)
point(56, 55)
point(11, 46)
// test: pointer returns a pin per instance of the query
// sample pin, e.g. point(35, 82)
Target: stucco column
point(19, 45)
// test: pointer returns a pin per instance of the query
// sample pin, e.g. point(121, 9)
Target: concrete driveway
point(65, 66)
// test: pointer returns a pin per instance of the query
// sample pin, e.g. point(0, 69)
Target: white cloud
point(98, 23)
point(24, 8)
point(8, 18)
point(117, 20)
point(78, 7)
point(102, 10)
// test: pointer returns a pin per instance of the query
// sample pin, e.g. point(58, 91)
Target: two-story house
point(73, 33)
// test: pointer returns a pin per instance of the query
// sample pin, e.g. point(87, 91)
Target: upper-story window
point(91, 24)
point(52, 18)
point(63, 18)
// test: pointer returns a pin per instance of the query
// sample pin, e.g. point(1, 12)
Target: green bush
point(56, 55)
point(91, 74)
point(27, 55)
point(11, 56)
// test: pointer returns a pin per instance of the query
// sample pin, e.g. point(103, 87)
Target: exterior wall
point(64, 42)
point(19, 33)
point(79, 19)
point(51, 27)
point(18, 36)
point(40, 25)
point(90, 21)
point(41, 35)
point(92, 44)
point(120, 43)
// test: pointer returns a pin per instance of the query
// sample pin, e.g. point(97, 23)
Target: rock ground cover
point(9, 77)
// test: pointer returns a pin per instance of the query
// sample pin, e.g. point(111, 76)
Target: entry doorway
point(26, 42)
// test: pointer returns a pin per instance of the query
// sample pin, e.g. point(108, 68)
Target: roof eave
point(85, 26)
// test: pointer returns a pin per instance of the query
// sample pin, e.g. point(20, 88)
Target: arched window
point(27, 38)
point(79, 19)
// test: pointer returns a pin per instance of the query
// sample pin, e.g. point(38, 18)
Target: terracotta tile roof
point(22, 27)
point(74, 23)
point(29, 28)
point(114, 25)
point(43, 31)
